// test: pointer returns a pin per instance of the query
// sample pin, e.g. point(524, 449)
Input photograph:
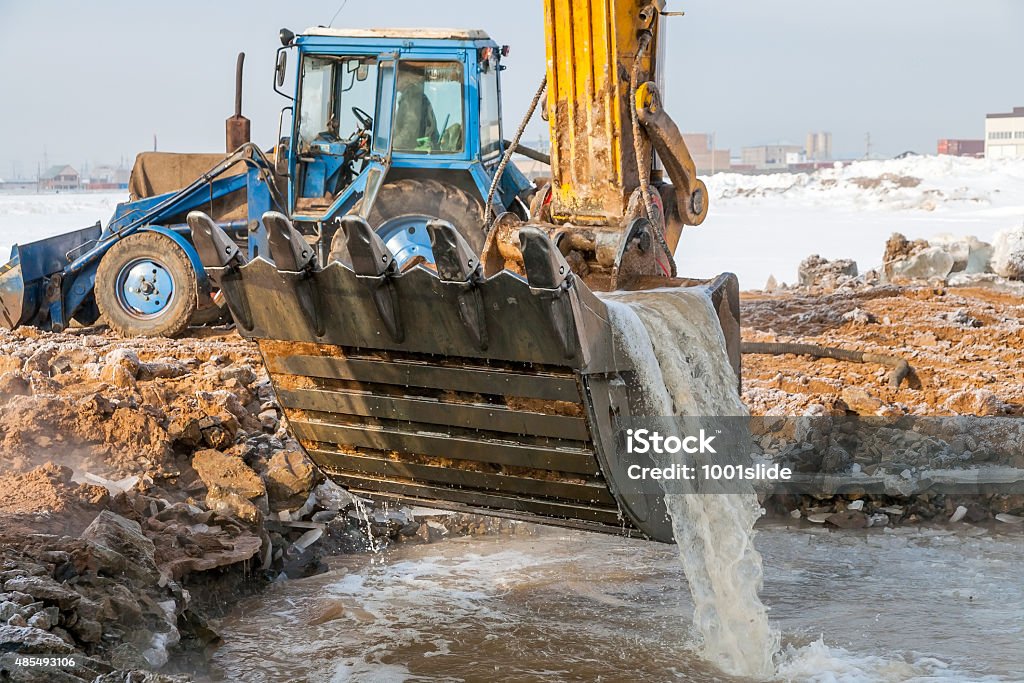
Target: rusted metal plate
point(419, 374)
point(334, 306)
point(589, 493)
point(489, 417)
point(619, 528)
point(447, 446)
point(423, 494)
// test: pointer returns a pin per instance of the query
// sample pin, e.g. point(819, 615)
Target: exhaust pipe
point(237, 126)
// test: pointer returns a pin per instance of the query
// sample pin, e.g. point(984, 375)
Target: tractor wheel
point(402, 210)
point(145, 286)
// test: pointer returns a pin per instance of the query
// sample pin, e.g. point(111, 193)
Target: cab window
point(331, 87)
point(490, 114)
point(429, 114)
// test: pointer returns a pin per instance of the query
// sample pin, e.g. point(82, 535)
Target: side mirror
point(281, 70)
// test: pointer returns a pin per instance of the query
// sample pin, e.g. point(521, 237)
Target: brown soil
point(964, 345)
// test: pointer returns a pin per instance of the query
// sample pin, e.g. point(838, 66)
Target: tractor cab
point(373, 109)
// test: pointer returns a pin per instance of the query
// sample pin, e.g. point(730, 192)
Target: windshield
point(429, 110)
point(331, 87)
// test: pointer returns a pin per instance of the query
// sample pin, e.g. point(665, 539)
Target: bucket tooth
point(295, 259)
point(545, 266)
point(221, 258)
point(288, 247)
point(374, 264)
point(215, 247)
point(454, 258)
point(459, 265)
point(370, 256)
point(550, 278)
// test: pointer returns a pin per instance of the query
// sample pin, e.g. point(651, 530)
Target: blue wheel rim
point(145, 288)
point(406, 237)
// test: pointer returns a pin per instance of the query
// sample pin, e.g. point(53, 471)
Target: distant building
point(772, 157)
point(707, 159)
point(60, 178)
point(108, 178)
point(962, 148)
point(819, 146)
point(1004, 135)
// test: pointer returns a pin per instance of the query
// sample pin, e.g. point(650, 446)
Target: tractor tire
point(146, 286)
point(429, 198)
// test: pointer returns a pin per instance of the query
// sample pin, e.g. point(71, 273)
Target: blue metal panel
point(259, 202)
point(314, 178)
point(77, 288)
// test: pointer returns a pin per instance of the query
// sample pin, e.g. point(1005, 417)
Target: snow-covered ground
point(30, 217)
point(759, 225)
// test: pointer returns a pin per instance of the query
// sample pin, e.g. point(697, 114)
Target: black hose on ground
point(899, 368)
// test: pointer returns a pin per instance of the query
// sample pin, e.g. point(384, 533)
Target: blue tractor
point(398, 127)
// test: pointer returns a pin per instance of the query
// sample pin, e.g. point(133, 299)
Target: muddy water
point(677, 348)
point(903, 606)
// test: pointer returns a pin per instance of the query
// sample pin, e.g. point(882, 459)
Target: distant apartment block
point(1004, 135)
point(819, 146)
point(772, 157)
point(60, 178)
point(962, 148)
point(706, 158)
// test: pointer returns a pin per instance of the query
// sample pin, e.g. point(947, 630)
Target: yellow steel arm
point(591, 49)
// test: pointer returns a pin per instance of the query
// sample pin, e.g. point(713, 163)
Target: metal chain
point(643, 164)
point(488, 208)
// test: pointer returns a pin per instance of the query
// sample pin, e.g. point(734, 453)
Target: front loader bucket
point(25, 280)
point(451, 391)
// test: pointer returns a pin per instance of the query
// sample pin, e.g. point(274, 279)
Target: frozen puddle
point(575, 606)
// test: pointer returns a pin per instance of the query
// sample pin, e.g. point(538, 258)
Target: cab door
point(380, 149)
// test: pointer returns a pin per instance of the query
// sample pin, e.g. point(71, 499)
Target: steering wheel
point(364, 119)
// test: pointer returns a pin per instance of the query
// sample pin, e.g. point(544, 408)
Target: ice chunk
point(930, 263)
point(1008, 253)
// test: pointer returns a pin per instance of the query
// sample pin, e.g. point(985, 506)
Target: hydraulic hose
point(509, 151)
point(899, 368)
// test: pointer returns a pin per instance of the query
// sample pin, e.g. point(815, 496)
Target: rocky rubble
point(144, 484)
point(940, 306)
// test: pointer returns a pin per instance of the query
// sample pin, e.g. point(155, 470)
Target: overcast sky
point(94, 81)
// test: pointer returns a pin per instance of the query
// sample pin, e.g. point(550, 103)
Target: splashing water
point(676, 344)
point(363, 514)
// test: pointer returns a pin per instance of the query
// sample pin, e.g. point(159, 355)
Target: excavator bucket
point(446, 388)
point(29, 279)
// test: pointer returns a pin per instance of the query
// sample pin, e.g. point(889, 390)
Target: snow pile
point(761, 226)
point(30, 217)
point(922, 183)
